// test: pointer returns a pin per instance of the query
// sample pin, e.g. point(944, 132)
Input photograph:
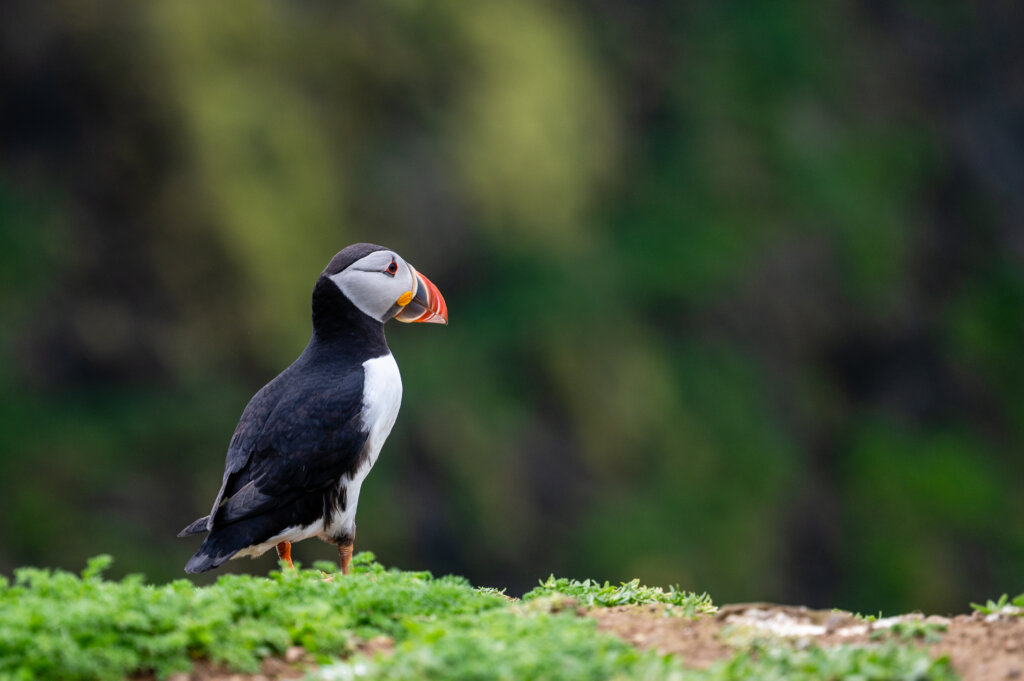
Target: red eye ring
point(392, 268)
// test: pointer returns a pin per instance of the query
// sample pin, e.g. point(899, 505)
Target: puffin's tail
point(225, 541)
point(207, 557)
point(196, 527)
point(202, 561)
point(217, 548)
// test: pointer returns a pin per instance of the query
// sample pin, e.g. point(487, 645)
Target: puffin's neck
point(342, 329)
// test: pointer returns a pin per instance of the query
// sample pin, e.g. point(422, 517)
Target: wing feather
point(297, 436)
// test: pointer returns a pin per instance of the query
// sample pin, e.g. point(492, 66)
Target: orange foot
point(345, 558)
point(284, 552)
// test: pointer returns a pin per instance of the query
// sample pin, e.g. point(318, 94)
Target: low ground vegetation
point(389, 624)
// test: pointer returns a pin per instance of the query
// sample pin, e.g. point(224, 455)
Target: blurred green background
point(736, 288)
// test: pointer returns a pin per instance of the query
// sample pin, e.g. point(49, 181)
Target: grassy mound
point(58, 625)
point(55, 624)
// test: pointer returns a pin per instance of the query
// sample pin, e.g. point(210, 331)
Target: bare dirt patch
point(983, 649)
point(696, 641)
point(980, 648)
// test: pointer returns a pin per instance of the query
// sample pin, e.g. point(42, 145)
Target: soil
point(980, 647)
point(695, 641)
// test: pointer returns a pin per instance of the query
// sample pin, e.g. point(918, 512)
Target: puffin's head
point(382, 285)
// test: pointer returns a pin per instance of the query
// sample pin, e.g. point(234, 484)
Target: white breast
point(382, 396)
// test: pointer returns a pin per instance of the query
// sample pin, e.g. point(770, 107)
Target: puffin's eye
point(392, 269)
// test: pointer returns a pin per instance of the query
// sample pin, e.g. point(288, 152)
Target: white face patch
point(371, 287)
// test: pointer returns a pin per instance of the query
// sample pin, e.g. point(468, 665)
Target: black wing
point(297, 436)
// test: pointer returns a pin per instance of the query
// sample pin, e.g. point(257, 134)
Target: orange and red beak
point(427, 303)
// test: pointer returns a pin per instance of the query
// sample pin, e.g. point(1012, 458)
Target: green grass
point(505, 644)
point(862, 663)
point(592, 594)
point(911, 630)
point(59, 625)
point(502, 646)
point(1003, 606)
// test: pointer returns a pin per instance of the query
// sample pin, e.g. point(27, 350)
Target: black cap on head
point(349, 255)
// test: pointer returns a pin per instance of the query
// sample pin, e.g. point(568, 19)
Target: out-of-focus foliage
point(873, 663)
point(736, 289)
point(590, 594)
point(499, 645)
point(1003, 606)
point(55, 625)
point(507, 644)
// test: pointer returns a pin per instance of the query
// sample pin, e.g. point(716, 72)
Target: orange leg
point(345, 557)
point(284, 552)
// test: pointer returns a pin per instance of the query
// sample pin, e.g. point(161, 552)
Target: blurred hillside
point(736, 289)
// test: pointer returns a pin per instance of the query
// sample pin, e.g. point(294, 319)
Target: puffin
point(306, 441)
